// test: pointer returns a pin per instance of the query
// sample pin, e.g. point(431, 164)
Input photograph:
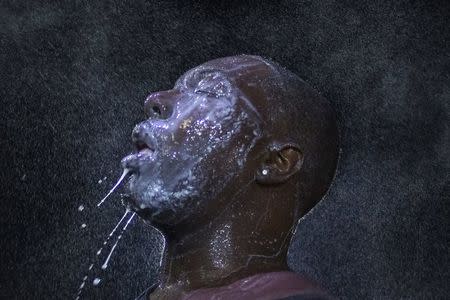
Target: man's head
point(230, 126)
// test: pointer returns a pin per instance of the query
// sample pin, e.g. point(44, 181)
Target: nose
point(159, 105)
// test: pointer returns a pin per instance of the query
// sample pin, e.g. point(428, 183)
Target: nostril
point(156, 110)
point(158, 105)
point(159, 111)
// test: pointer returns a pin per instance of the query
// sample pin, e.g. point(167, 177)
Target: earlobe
point(280, 164)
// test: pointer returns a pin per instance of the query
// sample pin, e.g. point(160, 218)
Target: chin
point(164, 220)
point(166, 209)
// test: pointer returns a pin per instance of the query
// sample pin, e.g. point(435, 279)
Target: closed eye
point(213, 85)
point(209, 93)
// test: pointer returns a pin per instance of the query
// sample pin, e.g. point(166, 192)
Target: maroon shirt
point(266, 286)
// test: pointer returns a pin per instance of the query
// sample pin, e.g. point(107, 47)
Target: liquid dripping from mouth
point(105, 242)
point(83, 283)
point(125, 172)
point(105, 264)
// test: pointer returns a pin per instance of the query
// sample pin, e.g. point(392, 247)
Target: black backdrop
point(74, 75)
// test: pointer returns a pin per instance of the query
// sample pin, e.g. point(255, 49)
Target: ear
point(279, 164)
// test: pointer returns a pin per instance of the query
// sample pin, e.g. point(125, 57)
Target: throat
point(212, 258)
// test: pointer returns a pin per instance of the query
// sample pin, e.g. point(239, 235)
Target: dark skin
point(244, 227)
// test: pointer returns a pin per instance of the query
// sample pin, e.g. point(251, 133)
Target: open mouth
point(142, 146)
point(143, 150)
point(145, 146)
point(142, 141)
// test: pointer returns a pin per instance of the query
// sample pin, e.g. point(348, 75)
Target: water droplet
point(80, 208)
point(83, 225)
point(96, 281)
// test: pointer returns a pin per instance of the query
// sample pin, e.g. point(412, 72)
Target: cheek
point(208, 128)
point(197, 133)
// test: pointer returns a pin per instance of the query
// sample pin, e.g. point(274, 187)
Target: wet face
point(195, 142)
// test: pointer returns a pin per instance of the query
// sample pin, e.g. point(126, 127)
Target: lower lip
point(135, 160)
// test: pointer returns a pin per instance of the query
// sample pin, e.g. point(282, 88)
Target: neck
point(223, 255)
point(217, 257)
point(251, 238)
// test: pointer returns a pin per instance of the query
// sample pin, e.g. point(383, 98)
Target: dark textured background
point(74, 75)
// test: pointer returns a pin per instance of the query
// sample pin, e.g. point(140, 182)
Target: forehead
point(236, 68)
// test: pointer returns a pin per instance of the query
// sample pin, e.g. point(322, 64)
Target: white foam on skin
point(158, 192)
point(176, 175)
